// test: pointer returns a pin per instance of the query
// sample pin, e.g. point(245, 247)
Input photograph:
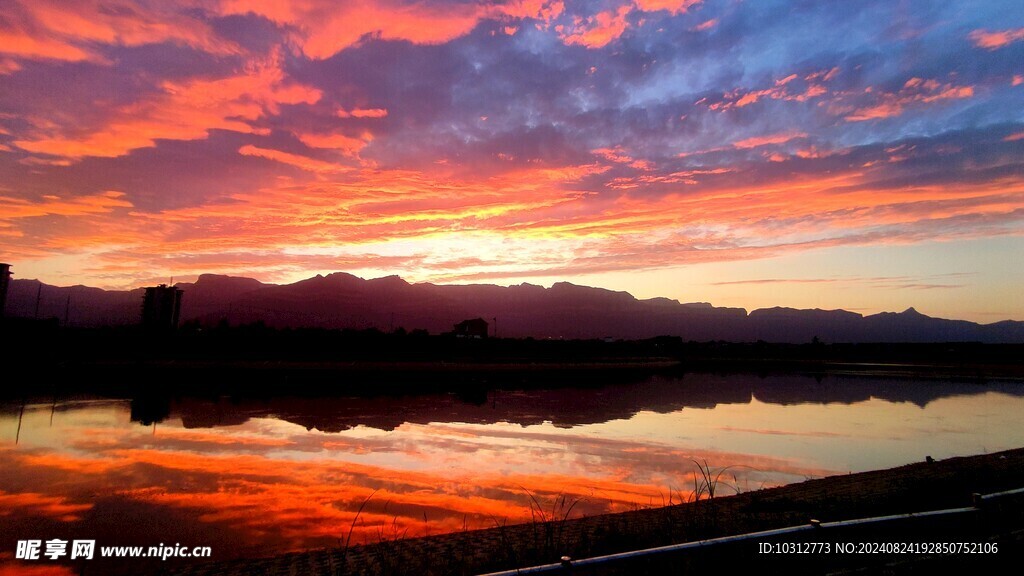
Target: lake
point(250, 476)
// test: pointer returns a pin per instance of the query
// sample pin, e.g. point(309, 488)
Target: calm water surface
point(258, 477)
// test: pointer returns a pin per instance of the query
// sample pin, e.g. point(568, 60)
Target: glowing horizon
point(700, 150)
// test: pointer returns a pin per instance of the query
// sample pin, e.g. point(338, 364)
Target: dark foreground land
point(257, 359)
point(946, 484)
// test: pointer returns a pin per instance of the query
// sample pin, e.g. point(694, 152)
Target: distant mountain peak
point(394, 279)
point(912, 312)
point(331, 279)
point(222, 281)
point(662, 301)
point(207, 277)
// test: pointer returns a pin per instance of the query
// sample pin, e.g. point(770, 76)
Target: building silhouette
point(160, 307)
point(475, 328)
point(5, 280)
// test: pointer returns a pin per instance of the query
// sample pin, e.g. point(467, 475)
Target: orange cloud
point(673, 6)
point(616, 155)
point(756, 141)
point(995, 40)
point(814, 152)
point(809, 207)
point(435, 222)
point(70, 30)
point(184, 111)
point(876, 112)
point(368, 206)
point(326, 27)
point(303, 162)
point(37, 161)
point(915, 90)
point(346, 144)
point(533, 8)
point(598, 30)
point(22, 45)
point(104, 202)
point(363, 113)
point(533, 220)
point(739, 98)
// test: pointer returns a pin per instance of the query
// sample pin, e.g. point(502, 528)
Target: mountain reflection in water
point(252, 476)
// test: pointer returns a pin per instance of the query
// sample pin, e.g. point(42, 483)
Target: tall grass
point(548, 527)
point(707, 483)
point(345, 546)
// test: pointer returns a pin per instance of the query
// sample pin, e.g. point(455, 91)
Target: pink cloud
point(706, 25)
point(786, 80)
point(997, 39)
point(8, 66)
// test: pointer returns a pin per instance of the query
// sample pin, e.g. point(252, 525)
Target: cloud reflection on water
point(270, 480)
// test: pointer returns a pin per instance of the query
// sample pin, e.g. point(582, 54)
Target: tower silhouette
point(161, 307)
point(5, 280)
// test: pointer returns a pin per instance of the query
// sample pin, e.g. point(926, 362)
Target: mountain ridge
point(565, 310)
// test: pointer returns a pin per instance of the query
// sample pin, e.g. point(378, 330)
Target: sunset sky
point(862, 155)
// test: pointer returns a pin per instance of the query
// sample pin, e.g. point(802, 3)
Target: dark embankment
point(256, 359)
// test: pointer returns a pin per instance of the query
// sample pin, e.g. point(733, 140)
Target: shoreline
point(281, 378)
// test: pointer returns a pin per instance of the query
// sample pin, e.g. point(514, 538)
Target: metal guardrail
point(984, 497)
point(813, 525)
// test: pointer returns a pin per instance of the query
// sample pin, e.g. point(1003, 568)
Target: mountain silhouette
point(563, 311)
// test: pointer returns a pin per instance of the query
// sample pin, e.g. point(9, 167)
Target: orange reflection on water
point(308, 493)
point(270, 480)
point(50, 506)
point(291, 489)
